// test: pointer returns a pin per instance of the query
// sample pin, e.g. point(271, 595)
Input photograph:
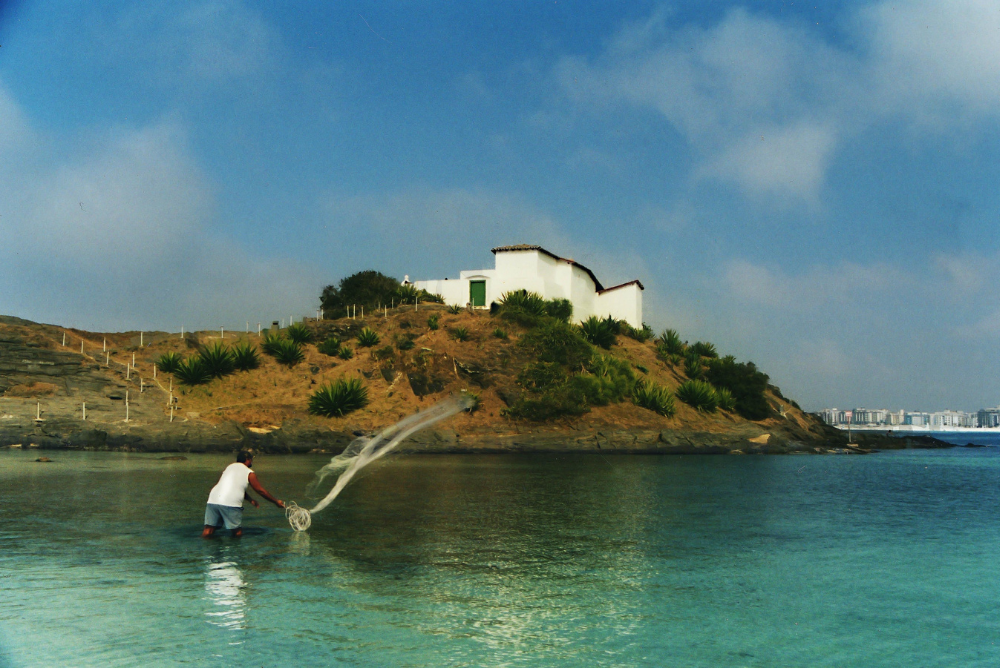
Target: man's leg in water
point(237, 532)
point(208, 532)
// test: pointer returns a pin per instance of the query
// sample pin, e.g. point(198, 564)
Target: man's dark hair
point(243, 457)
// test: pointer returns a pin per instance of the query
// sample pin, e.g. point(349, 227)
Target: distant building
point(989, 417)
point(532, 268)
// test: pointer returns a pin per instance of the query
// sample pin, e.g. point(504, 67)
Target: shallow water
point(883, 560)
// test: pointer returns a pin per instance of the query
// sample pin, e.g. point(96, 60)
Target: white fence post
point(84, 411)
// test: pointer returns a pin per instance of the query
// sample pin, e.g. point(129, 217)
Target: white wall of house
point(552, 278)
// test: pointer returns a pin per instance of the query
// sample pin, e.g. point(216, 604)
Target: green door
point(477, 293)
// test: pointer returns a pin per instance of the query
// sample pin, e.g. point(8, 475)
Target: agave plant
point(407, 293)
point(454, 309)
point(459, 333)
point(432, 322)
point(217, 360)
point(692, 366)
point(654, 397)
point(331, 346)
point(599, 332)
point(288, 352)
point(245, 356)
point(725, 399)
point(168, 362)
point(345, 353)
point(669, 343)
point(339, 398)
point(522, 301)
point(500, 333)
point(270, 342)
point(368, 337)
point(192, 371)
point(703, 348)
point(698, 395)
point(299, 333)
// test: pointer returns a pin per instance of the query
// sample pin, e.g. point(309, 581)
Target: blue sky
point(811, 187)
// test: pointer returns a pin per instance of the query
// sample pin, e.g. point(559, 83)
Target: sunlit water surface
point(885, 560)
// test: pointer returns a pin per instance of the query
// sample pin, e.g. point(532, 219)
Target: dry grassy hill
point(268, 406)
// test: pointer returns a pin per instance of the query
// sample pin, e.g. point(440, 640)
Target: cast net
point(364, 450)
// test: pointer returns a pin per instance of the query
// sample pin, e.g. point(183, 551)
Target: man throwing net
point(225, 501)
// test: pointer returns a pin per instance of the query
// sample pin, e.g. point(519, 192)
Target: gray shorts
point(215, 515)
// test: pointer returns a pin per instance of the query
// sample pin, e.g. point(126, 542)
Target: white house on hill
point(535, 269)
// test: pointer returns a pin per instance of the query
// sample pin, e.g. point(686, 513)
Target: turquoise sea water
point(882, 560)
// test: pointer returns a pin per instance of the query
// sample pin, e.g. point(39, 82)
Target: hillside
point(266, 408)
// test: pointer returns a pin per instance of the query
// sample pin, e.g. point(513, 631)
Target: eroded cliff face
point(44, 386)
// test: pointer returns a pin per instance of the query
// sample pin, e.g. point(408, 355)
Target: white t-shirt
point(232, 486)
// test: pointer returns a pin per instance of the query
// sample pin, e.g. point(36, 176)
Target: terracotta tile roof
point(530, 247)
point(615, 287)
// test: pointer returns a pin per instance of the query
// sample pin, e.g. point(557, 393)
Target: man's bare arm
point(257, 487)
point(246, 495)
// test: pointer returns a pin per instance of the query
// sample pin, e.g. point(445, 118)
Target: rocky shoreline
point(304, 438)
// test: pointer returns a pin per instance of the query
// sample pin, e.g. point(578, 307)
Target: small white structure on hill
point(535, 269)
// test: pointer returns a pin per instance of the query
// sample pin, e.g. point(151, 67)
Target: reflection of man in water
point(225, 501)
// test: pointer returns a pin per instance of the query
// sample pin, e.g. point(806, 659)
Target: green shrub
point(698, 395)
point(245, 356)
point(640, 335)
point(558, 342)
point(600, 332)
point(459, 333)
point(432, 322)
point(669, 343)
point(288, 352)
point(331, 346)
point(366, 288)
point(641, 368)
point(612, 382)
point(725, 399)
point(270, 342)
point(500, 333)
point(747, 385)
point(560, 309)
point(656, 398)
point(454, 309)
point(339, 398)
point(703, 348)
point(192, 371)
point(408, 294)
point(405, 342)
point(368, 337)
point(383, 353)
point(345, 353)
point(217, 360)
point(168, 362)
point(692, 366)
point(299, 333)
point(474, 401)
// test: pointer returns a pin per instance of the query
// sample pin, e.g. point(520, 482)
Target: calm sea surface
point(884, 560)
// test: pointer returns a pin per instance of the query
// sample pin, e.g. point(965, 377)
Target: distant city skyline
point(808, 186)
point(872, 417)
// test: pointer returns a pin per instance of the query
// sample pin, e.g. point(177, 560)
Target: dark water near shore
point(884, 560)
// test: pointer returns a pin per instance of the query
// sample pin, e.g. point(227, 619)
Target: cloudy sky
point(814, 188)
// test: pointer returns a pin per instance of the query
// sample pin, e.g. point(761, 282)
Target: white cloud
point(119, 235)
point(847, 284)
point(930, 58)
point(724, 87)
point(786, 160)
point(210, 41)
